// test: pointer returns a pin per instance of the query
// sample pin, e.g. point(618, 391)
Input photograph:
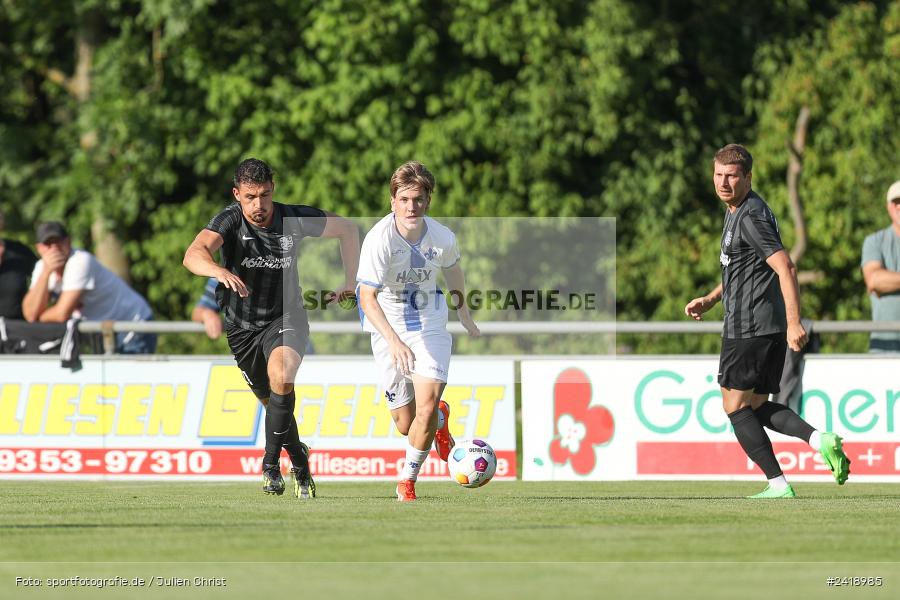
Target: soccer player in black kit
point(259, 294)
point(762, 318)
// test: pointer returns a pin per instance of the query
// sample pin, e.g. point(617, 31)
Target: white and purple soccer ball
point(472, 463)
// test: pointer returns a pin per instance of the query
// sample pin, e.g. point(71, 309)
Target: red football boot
point(443, 441)
point(406, 490)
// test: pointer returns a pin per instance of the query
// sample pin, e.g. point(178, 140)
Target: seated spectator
point(881, 271)
point(67, 283)
point(206, 311)
point(16, 263)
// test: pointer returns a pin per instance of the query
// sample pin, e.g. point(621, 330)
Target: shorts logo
point(391, 396)
point(286, 241)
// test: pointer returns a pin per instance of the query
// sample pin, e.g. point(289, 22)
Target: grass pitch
point(509, 539)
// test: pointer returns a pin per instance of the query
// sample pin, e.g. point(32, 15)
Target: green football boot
point(304, 486)
point(832, 450)
point(787, 492)
point(273, 482)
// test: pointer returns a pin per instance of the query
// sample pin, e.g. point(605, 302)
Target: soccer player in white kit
point(406, 313)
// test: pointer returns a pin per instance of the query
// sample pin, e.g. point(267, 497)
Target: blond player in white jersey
point(406, 313)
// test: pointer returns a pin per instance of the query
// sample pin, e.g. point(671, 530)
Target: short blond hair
point(412, 173)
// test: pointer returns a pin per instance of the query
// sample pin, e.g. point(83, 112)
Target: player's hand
point(696, 307)
point(466, 319)
point(54, 259)
point(232, 282)
point(403, 357)
point(796, 337)
point(345, 296)
point(212, 323)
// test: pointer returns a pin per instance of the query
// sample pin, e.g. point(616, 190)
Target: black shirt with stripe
point(751, 291)
point(265, 258)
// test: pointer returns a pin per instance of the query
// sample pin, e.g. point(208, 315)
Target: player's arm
point(199, 260)
point(403, 357)
point(696, 307)
point(456, 282)
point(784, 267)
point(348, 234)
point(879, 280)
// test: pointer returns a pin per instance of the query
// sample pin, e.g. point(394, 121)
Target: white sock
point(414, 460)
point(815, 440)
point(778, 483)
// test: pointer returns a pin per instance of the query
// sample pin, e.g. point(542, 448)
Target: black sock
point(279, 414)
point(754, 441)
point(782, 419)
point(299, 458)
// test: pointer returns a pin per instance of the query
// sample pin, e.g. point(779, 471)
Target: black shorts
point(252, 348)
point(753, 363)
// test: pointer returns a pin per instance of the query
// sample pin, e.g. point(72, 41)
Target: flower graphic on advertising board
point(578, 426)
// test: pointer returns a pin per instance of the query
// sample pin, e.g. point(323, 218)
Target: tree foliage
point(520, 107)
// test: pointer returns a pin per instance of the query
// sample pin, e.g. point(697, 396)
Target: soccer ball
point(472, 463)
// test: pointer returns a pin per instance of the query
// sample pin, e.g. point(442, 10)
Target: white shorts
point(432, 351)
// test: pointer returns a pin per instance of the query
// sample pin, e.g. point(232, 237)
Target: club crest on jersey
point(430, 254)
point(286, 241)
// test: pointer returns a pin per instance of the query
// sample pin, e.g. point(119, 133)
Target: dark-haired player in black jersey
point(259, 293)
point(762, 318)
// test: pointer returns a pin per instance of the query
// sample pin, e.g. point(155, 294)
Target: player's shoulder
point(755, 203)
point(439, 232)
point(299, 210)
point(383, 230)
point(233, 210)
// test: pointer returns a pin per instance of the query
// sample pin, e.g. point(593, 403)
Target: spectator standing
point(69, 282)
point(881, 271)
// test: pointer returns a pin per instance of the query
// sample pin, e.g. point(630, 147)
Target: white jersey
point(406, 274)
point(104, 295)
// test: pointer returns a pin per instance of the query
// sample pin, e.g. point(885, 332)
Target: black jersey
point(265, 258)
point(751, 291)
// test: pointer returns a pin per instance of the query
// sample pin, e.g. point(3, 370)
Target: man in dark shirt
point(762, 318)
point(16, 264)
point(259, 294)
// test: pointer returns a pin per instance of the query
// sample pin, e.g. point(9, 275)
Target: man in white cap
point(881, 270)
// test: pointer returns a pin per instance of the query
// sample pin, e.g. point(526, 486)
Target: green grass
point(669, 539)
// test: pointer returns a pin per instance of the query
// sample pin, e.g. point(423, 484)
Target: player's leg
point(782, 419)
point(290, 341)
point(248, 352)
point(434, 349)
point(421, 433)
point(740, 367)
point(402, 397)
